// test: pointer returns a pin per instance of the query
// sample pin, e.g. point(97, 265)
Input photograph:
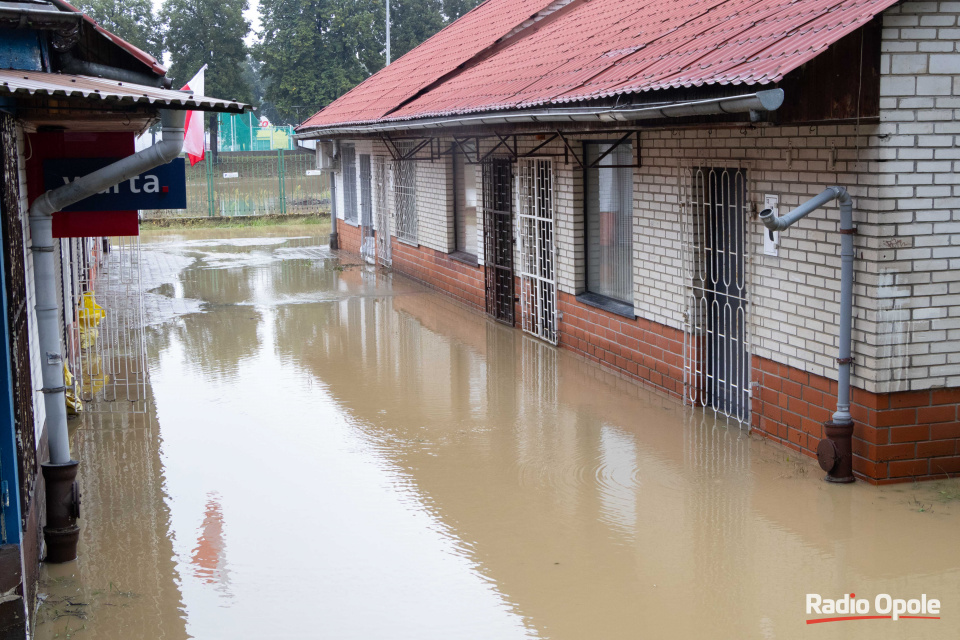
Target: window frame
point(458, 253)
point(593, 299)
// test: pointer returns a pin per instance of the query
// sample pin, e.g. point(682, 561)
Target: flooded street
point(336, 452)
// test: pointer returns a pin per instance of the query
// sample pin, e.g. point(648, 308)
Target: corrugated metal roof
point(603, 48)
point(56, 85)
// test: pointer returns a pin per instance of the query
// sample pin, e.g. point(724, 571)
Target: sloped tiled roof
point(602, 48)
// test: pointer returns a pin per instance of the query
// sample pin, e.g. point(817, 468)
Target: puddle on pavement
point(339, 453)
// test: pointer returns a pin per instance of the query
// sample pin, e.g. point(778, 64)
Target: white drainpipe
point(41, 230)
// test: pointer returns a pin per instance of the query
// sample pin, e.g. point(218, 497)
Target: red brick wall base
point(348, 237)
point(439, 271)
point(644, 350)
point(898, 437)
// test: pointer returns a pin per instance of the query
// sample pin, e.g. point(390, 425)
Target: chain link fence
point(253, 183)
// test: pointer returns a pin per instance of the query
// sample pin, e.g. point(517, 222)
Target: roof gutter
point(769, 100)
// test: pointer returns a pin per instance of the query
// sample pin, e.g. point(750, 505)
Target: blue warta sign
point(163, 187)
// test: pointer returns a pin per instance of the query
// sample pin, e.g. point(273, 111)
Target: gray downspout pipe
point(835, 451)
point(61, 532)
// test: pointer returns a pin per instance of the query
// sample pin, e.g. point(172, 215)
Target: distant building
point(592, 172)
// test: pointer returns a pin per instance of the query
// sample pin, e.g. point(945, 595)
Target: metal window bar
point(716, 351)
point(498, 238)
point(535, 221)
point(382, 179)
point(109, 348)
point(405, 197)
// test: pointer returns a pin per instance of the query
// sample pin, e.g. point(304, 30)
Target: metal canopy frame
point(506, 146)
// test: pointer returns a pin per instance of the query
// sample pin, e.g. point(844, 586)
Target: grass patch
point(238, 222)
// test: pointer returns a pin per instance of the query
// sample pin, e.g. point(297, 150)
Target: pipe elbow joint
point(843, 196)
point(771, 221)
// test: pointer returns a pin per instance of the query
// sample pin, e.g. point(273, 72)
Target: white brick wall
point(435, 223)
point(911, 330)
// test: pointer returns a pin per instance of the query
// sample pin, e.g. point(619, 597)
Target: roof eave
point(760, 101)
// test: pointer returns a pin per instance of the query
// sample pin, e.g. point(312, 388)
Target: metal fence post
point(210, 199)
point(281, 172)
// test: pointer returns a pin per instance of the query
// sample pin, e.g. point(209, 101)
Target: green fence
point(242, 132)
point(253, 183)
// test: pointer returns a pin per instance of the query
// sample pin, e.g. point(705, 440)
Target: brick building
point(593, 173)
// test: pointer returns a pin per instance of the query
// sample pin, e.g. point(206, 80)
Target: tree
point(453, 9)
point(412, 22)
point(313, 51)
point(132, 20)
point(210, 32)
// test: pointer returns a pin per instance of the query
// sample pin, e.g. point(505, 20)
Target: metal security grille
point(538, 285)
point(382, 180)
point(367, 243)
point(14, 265)
point(109, 344)
point(349, 163)
point(716, 345)
point(405, 197)
point(498, 238)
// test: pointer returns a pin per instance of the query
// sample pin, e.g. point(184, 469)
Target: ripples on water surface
point(337, 453)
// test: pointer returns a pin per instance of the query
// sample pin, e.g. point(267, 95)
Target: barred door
point(383, 214)
point(498, 238)
point(367, 245)
point(716, 355)
point(538, 286)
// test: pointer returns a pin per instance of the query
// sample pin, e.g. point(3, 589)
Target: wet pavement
point(335, 452)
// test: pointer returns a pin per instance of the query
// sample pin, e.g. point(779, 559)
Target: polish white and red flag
point(193, 142)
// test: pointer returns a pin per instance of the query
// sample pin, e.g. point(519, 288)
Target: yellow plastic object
point(96, 379)
point(74, 404)
point(90, 313)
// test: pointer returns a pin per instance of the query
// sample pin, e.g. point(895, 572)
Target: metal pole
point(388, 31)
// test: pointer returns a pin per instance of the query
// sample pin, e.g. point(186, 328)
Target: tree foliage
point(313, 51)
point(132, 20)
point(208, 32)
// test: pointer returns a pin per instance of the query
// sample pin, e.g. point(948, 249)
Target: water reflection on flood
point(338, 453)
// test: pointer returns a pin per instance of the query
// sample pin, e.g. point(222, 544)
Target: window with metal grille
point(348, 161)
point(465, 204)
point(405, 195)
point(608, 203)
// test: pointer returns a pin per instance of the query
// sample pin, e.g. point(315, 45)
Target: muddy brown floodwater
point(335, 452)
